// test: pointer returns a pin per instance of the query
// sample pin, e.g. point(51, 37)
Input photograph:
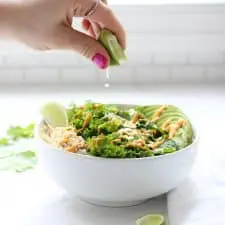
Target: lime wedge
point(110, 42)
point(55, 114)
point(151, 220)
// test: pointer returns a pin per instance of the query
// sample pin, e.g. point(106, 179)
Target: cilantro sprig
point(13, 157)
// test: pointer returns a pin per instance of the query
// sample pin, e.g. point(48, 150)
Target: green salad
point(117, 131)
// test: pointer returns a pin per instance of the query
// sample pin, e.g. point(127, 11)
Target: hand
point(47, 24)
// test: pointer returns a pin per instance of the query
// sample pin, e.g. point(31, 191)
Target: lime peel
point(111, 44)
point(151, 219)
point(55, 114)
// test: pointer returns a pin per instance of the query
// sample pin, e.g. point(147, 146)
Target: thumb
point(86, 46)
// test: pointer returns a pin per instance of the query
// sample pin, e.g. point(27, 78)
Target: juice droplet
point(107, 74)
point(107, 85)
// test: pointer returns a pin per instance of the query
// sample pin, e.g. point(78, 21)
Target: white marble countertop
point(30, 199)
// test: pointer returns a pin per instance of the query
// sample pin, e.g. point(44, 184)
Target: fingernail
point(100, 60)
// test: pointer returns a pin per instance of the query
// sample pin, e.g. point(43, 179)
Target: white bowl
point(115, 182)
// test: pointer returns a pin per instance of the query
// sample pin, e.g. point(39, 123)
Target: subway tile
point(79, 76)
point(84, 62)
point(138, 57)
point(189, 23)
point(151, 74)
point(120, 74)
point(207, 58)
point(2, 60)
point(11, 76)
point(215, 74)
point(57, 58)
point(42, 76)
point(187, 74)
point(176, 43)
point(165, 58)
point(23, 59)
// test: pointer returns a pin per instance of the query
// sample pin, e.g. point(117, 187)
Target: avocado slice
point(184, 135)
point(148, 111)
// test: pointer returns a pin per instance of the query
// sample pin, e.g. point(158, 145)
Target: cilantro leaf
point(4, 141)
point(17, 132)
point(18, 161)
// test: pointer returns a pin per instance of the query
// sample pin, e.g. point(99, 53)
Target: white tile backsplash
point(11, 76)
point(84, 62)
point(42, 76)
point(215, 74)
point(207, 58)
point(166, 43)
point(79, 76)
point(151, 74)
point(140, 56)
point(187, 74)
point(124, 75)
point(60, 59)
point(2, 60)
point(23, 59)
point(170, 58)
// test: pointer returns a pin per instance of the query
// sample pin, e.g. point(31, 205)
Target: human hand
point(47, 24)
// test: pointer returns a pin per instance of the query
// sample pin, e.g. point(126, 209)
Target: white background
point(167, 43)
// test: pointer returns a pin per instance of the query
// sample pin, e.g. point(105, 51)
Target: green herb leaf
point(4, 142)
point(18, 161)
point(17, 132)
point(27, 154)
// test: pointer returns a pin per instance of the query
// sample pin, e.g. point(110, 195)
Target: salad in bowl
point(115, 154)
point(118, 131)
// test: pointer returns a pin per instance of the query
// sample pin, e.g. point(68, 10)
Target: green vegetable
point(13, 159)
point(151, 219)
point(17, 132)
point(110, 42)
point(109, 126)
point(114, 132)
point(184, 135)
point(103, 146)
point(4, 141)
point(17, 161)
point(55, 114)
point(167, 147)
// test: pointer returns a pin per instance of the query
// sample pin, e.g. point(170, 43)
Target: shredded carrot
point(135, 118)
point(87, 120)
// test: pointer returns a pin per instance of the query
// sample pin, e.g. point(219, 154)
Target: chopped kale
point(114, 132)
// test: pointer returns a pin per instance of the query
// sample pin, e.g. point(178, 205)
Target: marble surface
point(31, 199)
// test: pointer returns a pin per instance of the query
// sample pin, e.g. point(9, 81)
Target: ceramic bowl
point(115, 182)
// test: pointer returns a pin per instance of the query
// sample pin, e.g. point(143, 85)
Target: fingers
point(106, 17)
point(67, 38)
point(96, 28)
point(92, 28)
point(86, 25)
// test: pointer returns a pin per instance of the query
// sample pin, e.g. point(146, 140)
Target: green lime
point(151, 220)
point(110, 42)
point(55, 114)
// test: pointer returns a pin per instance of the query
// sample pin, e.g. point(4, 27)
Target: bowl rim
point(90, 157)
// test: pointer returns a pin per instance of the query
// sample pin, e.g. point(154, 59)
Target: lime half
point(151, 220)
point(55, 114)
